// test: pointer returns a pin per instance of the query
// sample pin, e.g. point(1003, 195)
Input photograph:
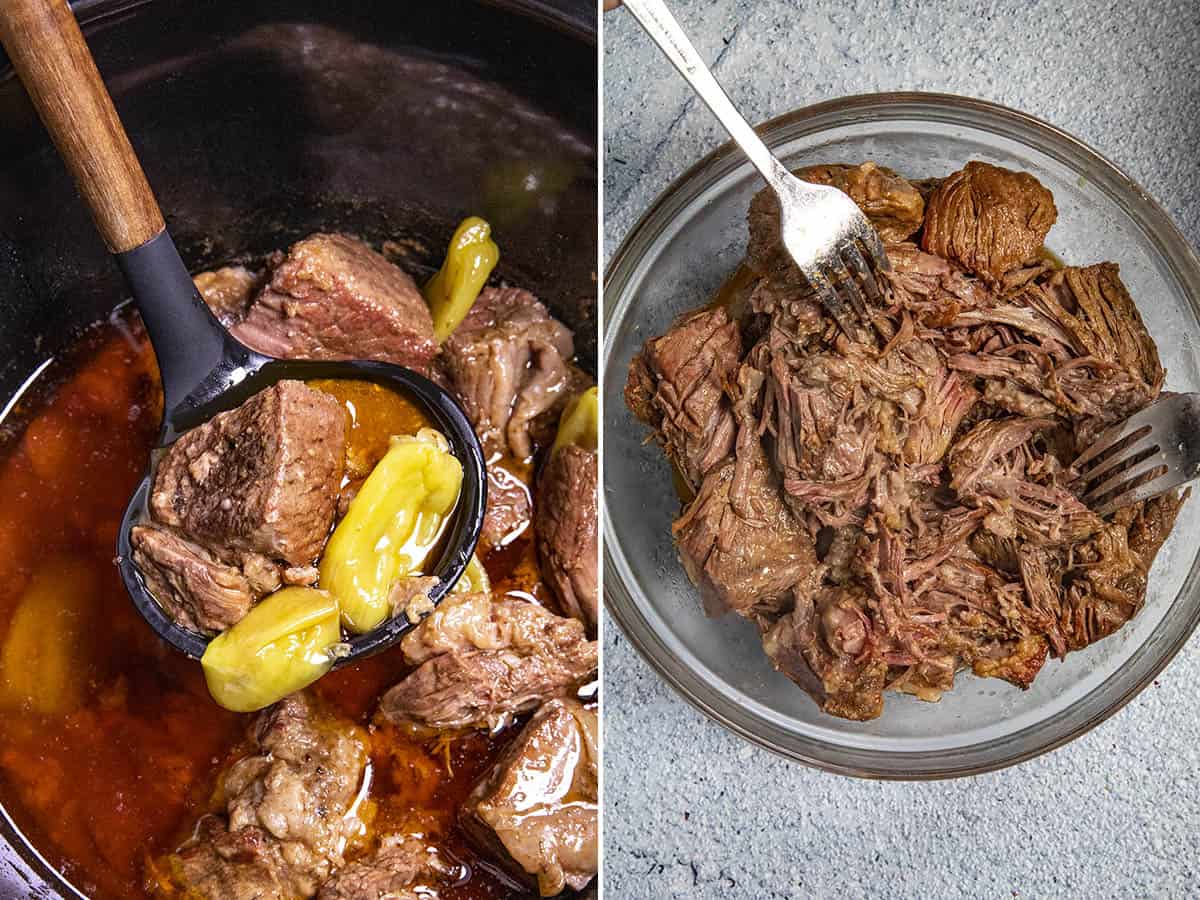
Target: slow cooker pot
point(259, 123)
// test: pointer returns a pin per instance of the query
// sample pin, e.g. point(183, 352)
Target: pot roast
point(890, 512)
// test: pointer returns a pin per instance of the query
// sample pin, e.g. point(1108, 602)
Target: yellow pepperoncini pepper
point(474, 579)
point(283, 644)
point(469, 261)
point(579, 423)
point(44, 663)
point(393, 522)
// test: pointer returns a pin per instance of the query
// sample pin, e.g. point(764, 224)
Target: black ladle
point(204, 369)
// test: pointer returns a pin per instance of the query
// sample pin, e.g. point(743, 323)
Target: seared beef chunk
point(289, 810)
point(567, 533)
point(333, 297)
point(537, 808)
point(482, 660)
point(197, 590)
point(676, 386)
point(228, 291)
point(508, 362)
point(897, 510)
point(261, 478)
point(509, 508)
point(989, 219)
point(402, 868)
point(892, 205)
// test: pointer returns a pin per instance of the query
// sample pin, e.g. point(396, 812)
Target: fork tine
point(1146, 467)
point(875, 249)
point(1147, 443)
point(1130, 428)
point(821, 284)
point(847, 286)
point(858, 266)
point(1168, 480)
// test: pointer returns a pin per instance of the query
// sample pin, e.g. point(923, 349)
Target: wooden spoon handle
point(48, 51)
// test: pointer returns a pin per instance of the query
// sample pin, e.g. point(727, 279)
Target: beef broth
point(116, 756)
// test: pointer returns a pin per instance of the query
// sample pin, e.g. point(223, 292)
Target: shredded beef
point(890, 512)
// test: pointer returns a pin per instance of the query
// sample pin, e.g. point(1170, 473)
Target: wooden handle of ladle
point(48, 51)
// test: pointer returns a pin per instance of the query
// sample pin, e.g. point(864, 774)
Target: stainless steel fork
point(831, 241)
point(1150, 453)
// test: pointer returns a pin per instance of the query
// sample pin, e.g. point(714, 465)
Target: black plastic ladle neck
point(197, 358)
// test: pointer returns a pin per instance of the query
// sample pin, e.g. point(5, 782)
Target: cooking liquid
point(109, 763)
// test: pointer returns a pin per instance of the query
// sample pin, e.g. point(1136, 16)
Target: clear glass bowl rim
point(1044, 736)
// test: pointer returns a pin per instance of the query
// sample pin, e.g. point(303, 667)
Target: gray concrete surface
point(694, 812)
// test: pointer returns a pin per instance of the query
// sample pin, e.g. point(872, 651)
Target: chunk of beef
point(1095, 308)
point(989, 219)
point(482, 660)
point(567, 531)
point(333, 297)
point(289, 810)
point(300, 787)
point(509, 508)
point(824, 645)
point(197, 590)
point(676, 386)
point(228, 291)
point(739, 543)
point(220, 865)
point(890, 203)
point(508, 362)
point(402, 868)
point(537, 809)
point(262, 478)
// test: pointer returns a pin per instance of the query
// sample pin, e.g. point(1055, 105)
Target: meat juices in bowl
point(891, 507)
point(281, 527)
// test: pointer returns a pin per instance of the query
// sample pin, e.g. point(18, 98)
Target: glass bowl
point(677, 256)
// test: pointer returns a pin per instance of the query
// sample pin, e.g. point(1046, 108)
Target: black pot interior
point(259, 123)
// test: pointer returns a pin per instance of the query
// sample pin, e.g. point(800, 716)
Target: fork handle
point(658, 22)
